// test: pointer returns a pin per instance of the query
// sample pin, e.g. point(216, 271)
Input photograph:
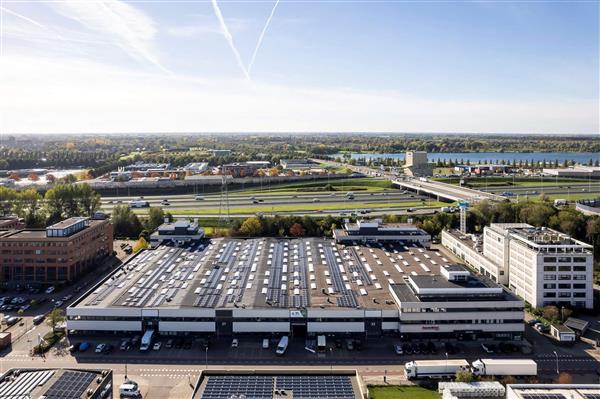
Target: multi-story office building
point(457, 304)
point(59, 253)
point(544, 267)
point(11, 223)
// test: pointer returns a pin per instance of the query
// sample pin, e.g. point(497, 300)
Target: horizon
point(452, 67)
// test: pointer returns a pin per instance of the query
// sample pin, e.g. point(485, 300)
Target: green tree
point(55, 317)
point(464, 376)
point(125, 222)
point(251, 227)
point(156, 217)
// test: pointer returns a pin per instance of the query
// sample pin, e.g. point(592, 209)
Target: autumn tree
point(297, 230)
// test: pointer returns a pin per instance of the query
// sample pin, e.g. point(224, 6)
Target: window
point(549, 294)
point(579, 259)
point(549, 268)
point(579, 268)
point(564, 277)
point(579, 277)
point(579, 286)
point(549, 259)
point(550, 277)
point(564, 268)
point(564, 286)
point(550, 286)
point(579, 295)
point(564, 259)
point(564, 294)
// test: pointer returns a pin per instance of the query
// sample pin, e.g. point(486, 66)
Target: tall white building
point(541, 265)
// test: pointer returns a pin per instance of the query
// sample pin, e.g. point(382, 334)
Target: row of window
point(565, 259)
point(476, 321)
point(562, 286)
point(564, 294)
point(565, 277)
point(565, 268)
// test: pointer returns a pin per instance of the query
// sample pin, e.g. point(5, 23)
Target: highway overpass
point(445, 190)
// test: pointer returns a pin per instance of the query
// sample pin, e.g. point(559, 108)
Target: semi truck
point(499, 367)
point(435, 368)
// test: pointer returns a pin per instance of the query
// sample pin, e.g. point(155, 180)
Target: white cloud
point(65, 95)
point(126, 26)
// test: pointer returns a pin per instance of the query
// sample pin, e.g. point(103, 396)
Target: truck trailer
point(435, 368)
point(499, 367)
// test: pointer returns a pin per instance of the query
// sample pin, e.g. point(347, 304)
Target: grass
point(478, 182)
point(305, 207)
point(359, 184)
point(401, 392)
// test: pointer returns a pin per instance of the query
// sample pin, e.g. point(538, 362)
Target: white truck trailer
point(435, 368)
point(499, 367)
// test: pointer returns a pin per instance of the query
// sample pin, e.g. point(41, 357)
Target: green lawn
point(401, 392)
point(479, 182)
point(359, 184)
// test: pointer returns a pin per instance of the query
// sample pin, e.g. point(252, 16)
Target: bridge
point(438, 189)
point(445, 190)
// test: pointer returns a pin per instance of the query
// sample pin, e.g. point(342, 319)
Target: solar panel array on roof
point(316, 386)
point(347, 296)
point(70, 385)
point(262, 386)
point(543, 396)
point(591, 395)
point(277, 294)
point(232, 386)
point(24, 384)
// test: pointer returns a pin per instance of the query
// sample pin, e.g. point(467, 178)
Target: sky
point(87, 66)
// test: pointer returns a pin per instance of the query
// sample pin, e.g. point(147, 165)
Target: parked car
point(542, 328)
point(235, 343)
point(100, 348)
point(107, 349)
point(38, 319)
point(135, 340)
point(407, 349)
point(50, 290)
point(84, 346)
point(265, 343)
point(125, 344)
point(157, 346)
point(349, 344)
point(169, 343)
point(398, 349)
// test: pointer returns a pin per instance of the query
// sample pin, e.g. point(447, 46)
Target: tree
point(297, 230)
point(55, 317)
point(251, 227)
point(125, 222)
point(551, 313)
point(536, 214)
point(564, 378)
point(156, 217)
point(33, 177)
point(140, 244)
point(464, 376)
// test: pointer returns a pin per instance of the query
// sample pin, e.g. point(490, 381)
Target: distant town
point(202, 266)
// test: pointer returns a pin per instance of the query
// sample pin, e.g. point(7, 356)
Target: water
point(492, 157)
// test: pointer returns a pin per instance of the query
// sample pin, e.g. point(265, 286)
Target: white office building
point(541, 265)
point(457, 304)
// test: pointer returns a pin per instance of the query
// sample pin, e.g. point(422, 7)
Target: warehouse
point(233, 286)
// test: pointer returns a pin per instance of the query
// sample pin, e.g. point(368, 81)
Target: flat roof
point(67, 223)
point(51, 383)
point(34, 234)
point(305, 384)
point(263, 273)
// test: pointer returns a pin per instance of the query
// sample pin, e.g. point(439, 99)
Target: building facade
point(376, 231)
point(57, 254)
point(543, 266)
point(457, 305)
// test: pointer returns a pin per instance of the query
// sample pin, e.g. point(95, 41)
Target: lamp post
point(557, 370)
point(206, 357)
point(446, 367)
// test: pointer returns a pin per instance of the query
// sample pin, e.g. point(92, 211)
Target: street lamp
point(446, 367)
point(557, 370)
point(206, 357)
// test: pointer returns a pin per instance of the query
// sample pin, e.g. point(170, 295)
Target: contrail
point(229, 38)
point(39, 25)
point(262, 35)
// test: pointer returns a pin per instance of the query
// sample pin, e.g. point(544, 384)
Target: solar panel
point(70, 385)
point(543, 396)
point(591, 395)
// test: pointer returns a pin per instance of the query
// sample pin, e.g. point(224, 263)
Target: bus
point(321, 343)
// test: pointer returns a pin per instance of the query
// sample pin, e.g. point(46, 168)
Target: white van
point(130, 389)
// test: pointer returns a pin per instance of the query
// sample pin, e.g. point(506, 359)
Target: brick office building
point(57, 254)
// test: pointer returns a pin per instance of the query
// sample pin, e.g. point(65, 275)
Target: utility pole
point(224, 203)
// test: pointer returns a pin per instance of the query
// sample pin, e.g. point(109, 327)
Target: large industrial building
point(59, 253)
point(541, 265)
point(266, 285)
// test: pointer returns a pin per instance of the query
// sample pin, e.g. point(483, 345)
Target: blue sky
point(397, 66)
